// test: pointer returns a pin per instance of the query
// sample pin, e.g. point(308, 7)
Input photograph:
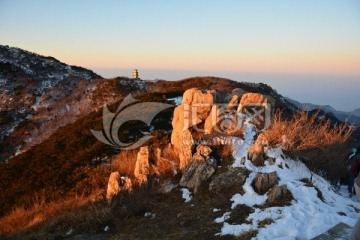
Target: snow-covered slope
point(306, 217)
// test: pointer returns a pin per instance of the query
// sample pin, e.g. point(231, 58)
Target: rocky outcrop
point(255, 98)
point(234, 178)
point(199, 170)
point(234, 103)
point(211, 120)
point(257, 153)
point(142, 165)
point(258, 107)
point(264, 181)
point(223, 120)
point(198, 103)
point(235, 98)
point(113, 186)
point(202, 153)
point(194, 109)
point(116, 184)
point(279, 194)
point(167, 186)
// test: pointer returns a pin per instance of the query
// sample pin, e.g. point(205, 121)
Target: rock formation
point(279, 193)
point(194, 109)
point(258, 107)
point(114, 186)
point(257, 153)
point(233, 178)
point(264, 181)
point(142, 166)
point(200, 169)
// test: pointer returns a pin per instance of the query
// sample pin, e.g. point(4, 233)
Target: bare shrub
point(305, 131)
point(167, 162)
point(125, 162)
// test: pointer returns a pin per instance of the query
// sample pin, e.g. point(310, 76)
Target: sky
point(307, 50)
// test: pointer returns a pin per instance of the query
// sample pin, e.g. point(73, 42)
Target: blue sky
point(291, 45)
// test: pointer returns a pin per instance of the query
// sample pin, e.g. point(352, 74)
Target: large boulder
point(264, 181)
point(142, 165)
point(198, 103)
point(280, 195)
point(234, 178)
point(199, 170)
point(257, 153)
point(194, 109)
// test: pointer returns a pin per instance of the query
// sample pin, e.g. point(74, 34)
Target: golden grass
point(305, 131)
point(22, 218)
point(124, 162)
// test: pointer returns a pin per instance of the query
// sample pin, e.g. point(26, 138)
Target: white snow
point(186, 194)
point(69, 232)
point(177, 100)
point(223, 218)
point(306, 217)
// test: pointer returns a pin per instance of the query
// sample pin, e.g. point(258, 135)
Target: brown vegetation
point(21, 218)
point(305, 131)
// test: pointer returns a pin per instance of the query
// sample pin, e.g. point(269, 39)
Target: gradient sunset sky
point(307, 50)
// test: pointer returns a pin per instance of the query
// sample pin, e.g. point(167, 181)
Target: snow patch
point(306, 217)
point(177, 100)
point(186, 194)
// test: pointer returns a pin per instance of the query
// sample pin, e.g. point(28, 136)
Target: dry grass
point(21, 218)
point(124, 162)
point(305, 131)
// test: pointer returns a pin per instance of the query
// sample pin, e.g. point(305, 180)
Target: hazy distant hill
point(353, 117)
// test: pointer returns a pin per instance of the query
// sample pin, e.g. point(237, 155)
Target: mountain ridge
point(352, 117)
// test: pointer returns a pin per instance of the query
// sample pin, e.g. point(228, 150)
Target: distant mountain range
point(352, 117)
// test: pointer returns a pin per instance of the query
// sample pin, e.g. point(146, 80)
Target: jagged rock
point(202, 152)
point(264, 181)
point(234, 103)
point(259, 107)
point(238, 92)
point(217, 139)
point(181, 138)
point(114, 186)
point(223, 120)
point(197, 172)
point(167, 186)
point(142, 165)
point(233, 178)
point(212, 119)
point(194, 109)
point(200, 169)
point(279, 193)
point(198, 103)
point(257, 153)
point(256, 98)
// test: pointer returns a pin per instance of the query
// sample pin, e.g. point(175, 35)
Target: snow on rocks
point(307, 217)
point(186, 194)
